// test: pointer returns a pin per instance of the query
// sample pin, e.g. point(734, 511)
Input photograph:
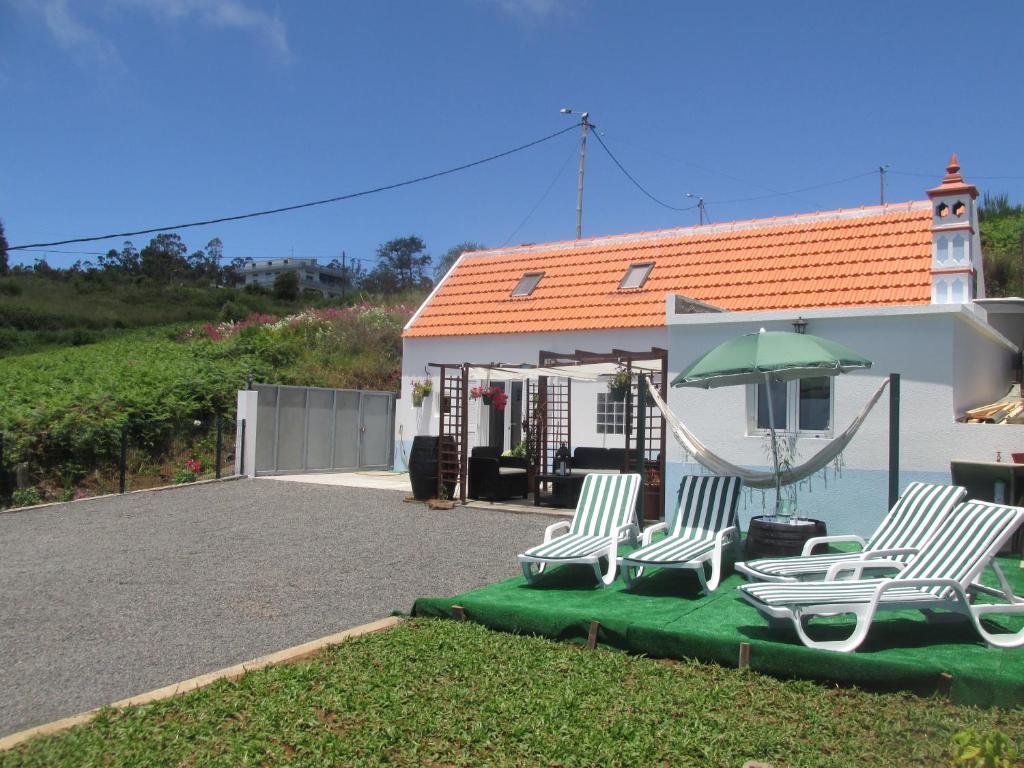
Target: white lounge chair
point(605, 516)
point(916, 516)
point(704, 526)
point(940, 577)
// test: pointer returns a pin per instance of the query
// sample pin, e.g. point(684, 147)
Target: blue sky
point(127, 114)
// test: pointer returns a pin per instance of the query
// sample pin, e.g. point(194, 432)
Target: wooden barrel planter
point(768, 538)
point(423, 466)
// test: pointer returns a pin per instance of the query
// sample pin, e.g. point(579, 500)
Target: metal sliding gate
point(310, 429)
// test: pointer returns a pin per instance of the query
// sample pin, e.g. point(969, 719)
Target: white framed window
point(611, 416)
point(527, 283)
point(636, 275)
point(804, 407)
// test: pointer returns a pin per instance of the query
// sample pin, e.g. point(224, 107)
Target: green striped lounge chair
point(605, 515)
point(704, 526)
point(941, 577)
point(915, 517)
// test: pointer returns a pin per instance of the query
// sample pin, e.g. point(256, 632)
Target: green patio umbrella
point(770, 356)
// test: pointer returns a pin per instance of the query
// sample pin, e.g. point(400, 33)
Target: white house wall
point(946, 363)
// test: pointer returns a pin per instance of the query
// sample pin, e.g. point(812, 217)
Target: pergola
point(547, 402)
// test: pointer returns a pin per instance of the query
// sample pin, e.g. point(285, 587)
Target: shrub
point(232, 312)
point(26, 497)
point(10, 288)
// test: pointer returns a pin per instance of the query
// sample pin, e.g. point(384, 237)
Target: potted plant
point(420, 390)
point(618, 386)
point(491, 396)
point(533, 441)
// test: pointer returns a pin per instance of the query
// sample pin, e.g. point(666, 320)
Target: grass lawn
point(445, 693)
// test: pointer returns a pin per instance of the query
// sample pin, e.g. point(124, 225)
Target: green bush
point(9, 288)
point(26, 497)
point(989, 749)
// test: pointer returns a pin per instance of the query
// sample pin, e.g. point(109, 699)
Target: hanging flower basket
point(420, 390)
point(619, 385)
point(490, 396)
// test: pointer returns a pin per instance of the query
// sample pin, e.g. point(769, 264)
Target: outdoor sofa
point(493, 477)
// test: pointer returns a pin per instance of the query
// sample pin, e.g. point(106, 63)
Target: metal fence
point(184, 452)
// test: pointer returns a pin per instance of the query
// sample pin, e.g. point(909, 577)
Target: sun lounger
point(940, 577)
point(916, 516)
point(704, 526)
point(605, 516)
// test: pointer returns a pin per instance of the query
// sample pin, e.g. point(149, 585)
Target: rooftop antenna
point(881, 183)
point(700, 205)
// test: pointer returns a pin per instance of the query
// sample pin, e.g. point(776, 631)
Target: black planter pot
point(618, 394)
point(423, 466)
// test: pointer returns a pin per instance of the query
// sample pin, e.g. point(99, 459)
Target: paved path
point(100, 600)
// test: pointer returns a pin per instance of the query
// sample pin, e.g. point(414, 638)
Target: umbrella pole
point(775, 448)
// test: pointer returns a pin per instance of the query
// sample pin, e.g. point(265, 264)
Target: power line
point(543, 197)
point(325, 201)
point(636, 183)
point(985, 178)
point(794, 191)
point(709, 170)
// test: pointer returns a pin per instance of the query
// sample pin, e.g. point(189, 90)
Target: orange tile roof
point(878, 256)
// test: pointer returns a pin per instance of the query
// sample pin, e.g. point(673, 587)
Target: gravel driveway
point(100, 600)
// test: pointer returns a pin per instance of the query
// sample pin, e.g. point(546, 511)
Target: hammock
point(754, 478)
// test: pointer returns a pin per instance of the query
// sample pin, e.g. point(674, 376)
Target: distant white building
point(326, 280)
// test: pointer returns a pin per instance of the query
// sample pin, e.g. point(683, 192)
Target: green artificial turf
point(665, 616)
point(448, 693)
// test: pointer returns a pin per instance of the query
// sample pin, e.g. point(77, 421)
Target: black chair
point(493, 477)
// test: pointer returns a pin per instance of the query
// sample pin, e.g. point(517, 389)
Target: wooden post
point(744, 662)
point(592, 635)
point(894, 438)
point(459, 613)
point(641, 445)
point(945, 683)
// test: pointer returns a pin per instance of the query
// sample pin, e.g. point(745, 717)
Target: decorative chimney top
point(953, 182)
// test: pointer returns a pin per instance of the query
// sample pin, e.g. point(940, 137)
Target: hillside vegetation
point(63, 410)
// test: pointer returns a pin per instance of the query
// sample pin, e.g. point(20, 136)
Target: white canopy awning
point(579, 372)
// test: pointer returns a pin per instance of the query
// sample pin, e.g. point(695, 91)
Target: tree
point(286, 286)
point(1002, 243)
point(164, 258)
point(445, 262)
point(3, 250)
point(401, 264)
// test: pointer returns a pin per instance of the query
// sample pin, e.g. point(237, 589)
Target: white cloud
point(226, 14)
point(71, 32)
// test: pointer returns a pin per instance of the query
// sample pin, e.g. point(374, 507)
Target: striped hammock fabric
point(916, 516)
point(958, 552)
point(755, 478)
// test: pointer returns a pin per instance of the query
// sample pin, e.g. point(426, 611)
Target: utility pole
point(881, 183)
point(700, 205)
point(584, 125)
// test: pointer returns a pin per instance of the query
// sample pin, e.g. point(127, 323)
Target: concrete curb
point(118, 495)
point(295, 653)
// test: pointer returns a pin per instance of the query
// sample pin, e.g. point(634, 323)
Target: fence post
point(240, 451)
point(3, 469)
point(220, 445)
point(122, 469)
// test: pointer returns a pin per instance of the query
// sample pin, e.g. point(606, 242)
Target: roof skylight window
point(636, 275)
point(527, 283)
